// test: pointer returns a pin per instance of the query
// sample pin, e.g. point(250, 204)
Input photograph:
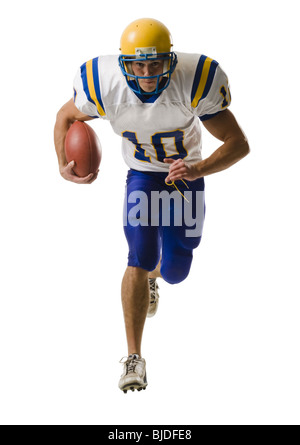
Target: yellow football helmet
point(146, 39)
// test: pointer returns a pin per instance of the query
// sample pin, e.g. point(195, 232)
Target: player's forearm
point(232, 151)
point(61, 128)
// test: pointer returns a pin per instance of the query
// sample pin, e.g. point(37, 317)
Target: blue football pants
point(160, 223)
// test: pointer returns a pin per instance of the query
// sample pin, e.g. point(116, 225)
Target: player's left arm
point(235, 146)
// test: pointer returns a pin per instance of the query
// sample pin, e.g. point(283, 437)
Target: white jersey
point(164, 125)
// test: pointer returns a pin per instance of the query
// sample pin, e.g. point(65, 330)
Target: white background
point(224, 346)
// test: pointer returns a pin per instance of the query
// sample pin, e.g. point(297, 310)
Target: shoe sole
point(132, 386)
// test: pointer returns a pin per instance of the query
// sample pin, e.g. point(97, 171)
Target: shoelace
point(152, 283)
point(153, 286)
point(174, 185)
point(130, 363)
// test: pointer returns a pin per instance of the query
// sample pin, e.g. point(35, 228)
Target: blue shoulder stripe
point(97, 82)
point(204, 77)
point(197, 76)
point(210, 78)
point(85, 82)
point(91, 85)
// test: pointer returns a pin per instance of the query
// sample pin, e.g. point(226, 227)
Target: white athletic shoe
point(154, 297)
point(134, 375)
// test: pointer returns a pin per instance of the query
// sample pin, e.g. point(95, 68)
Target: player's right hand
point(68, 173)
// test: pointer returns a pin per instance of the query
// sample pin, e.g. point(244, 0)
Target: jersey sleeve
point(210, 91)
point(87, 92)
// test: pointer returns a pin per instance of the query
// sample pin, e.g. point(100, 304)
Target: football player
point(155, 99)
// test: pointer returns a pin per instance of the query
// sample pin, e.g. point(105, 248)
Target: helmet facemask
point(145, 54)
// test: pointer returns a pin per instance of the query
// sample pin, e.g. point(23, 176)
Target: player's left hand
point(180, 170)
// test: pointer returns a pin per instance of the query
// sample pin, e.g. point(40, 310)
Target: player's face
point(148, 68)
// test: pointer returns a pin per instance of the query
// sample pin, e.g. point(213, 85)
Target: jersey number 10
point(157, 143)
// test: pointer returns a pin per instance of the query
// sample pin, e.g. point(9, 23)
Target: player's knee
point(137, 273)
point(174, 277)
point(144, 261)
point(190, 243)
point(175, 271)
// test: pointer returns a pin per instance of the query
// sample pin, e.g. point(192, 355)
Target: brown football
point(83, 146)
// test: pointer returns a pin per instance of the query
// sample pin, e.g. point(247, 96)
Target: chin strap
point(174, 185)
